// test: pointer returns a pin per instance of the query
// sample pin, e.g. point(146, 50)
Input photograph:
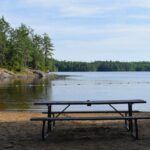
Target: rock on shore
point(27, 73)
point(4, 73)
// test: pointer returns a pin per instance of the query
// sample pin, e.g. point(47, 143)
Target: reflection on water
point(20, 95)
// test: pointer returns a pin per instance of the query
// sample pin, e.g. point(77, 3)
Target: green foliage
point(47, 50)
point(102, 66)
point(22, 48)
point(4, 35)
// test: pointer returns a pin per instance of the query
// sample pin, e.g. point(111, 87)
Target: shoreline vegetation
point(101, 66)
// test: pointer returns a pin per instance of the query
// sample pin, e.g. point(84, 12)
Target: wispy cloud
point(75, 11)
point(139, 3)
point(111, 29)
point(86, 7)
point(146, 16)
point(72, 8)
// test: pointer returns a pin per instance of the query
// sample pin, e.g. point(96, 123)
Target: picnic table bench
point(131, 122)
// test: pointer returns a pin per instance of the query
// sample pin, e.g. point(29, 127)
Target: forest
point(22, 48)
point(102, 66)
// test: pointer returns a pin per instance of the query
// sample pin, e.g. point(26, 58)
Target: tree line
point(102, 66)
point(22, 48)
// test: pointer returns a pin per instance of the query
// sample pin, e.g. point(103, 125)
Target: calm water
point(20, 95)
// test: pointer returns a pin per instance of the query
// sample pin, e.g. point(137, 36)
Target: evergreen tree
point(21, 48)
point(4, 35)
point(47, 50)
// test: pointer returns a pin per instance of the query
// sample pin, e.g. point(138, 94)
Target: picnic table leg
point(49, 115)
point(136, 129)
point(126, 122)
point(43, 131)
point(54, 121)
point(135, 132)
point(130, 114)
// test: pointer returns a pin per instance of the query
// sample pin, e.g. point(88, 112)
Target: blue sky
point(87, 30)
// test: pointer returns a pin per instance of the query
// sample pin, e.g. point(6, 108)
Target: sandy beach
point(17, 132)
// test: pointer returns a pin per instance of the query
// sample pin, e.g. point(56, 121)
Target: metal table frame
point(90, 103)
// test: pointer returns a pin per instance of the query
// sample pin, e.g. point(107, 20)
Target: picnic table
point(126, 115)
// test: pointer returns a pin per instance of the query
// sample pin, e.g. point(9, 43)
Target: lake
point(20, 95)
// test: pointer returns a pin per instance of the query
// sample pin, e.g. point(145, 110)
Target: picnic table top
point(91, 102)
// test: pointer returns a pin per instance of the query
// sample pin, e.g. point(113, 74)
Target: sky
point(87, 30)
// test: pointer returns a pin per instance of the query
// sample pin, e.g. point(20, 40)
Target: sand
point(17, 132)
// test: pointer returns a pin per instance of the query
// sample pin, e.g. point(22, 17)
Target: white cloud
point(72, 30)
point(72, 8)
point(131, 47)
point(146, 16)
point(79, 11)
point(77, 8)
point(44, 3)
point(50, 3)
point(128, 42)
point(139, 3)
point(131, 42)
point(81, 8)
